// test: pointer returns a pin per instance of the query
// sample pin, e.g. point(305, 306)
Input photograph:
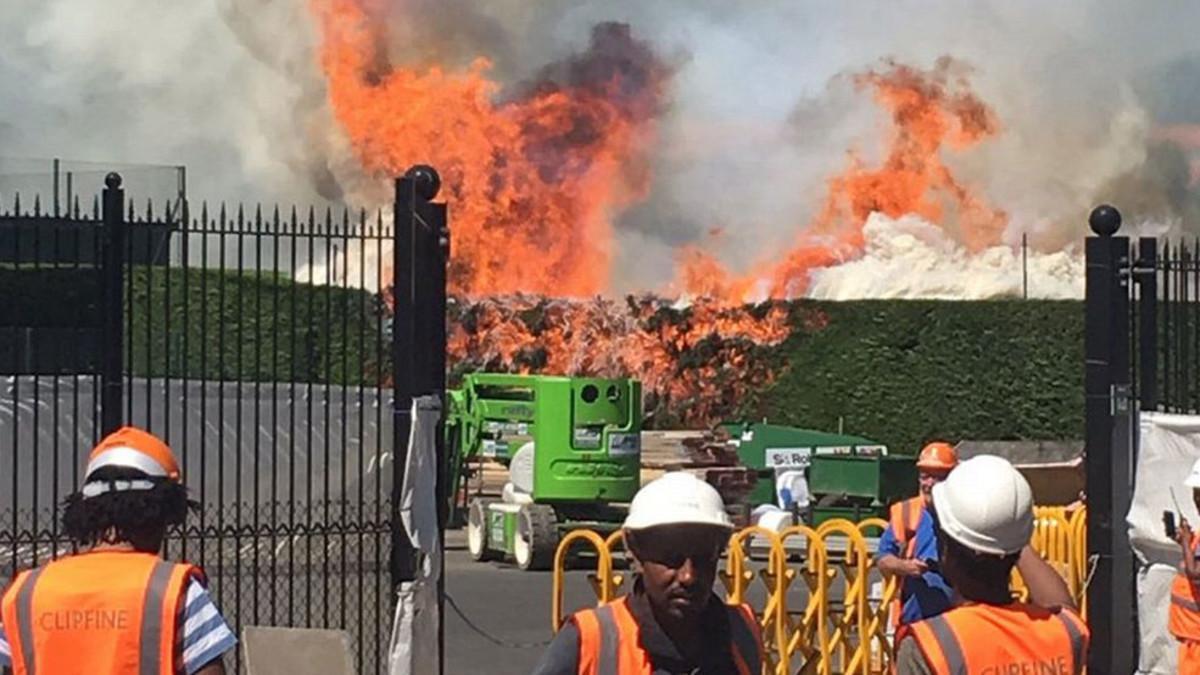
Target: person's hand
point(1183, 535)
point(915, 568)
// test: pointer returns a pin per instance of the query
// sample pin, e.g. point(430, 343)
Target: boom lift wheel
point(536, 537)
point(477, 531)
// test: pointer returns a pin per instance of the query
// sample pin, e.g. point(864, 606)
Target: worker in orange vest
point(671, 622)
point(1183, 618)
point(908, 548)
point(984, 512)
point(116, 606)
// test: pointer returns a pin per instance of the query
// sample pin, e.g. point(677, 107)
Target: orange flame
point(698, 363)
point(534, 178)
point(929, 111)
point(533, 181)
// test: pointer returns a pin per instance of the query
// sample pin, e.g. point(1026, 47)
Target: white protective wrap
point(1169, 445)
point(414, 644)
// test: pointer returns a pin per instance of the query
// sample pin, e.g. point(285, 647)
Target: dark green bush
point(900, 372)
point(904, 372)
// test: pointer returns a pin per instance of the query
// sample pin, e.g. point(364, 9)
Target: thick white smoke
point(911, 258)
point(762, 111)
point(165, 83)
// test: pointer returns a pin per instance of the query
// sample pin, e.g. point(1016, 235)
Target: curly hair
point(139, 517)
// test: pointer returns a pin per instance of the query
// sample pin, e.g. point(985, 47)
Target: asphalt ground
point(514, 609)
point(511, 606)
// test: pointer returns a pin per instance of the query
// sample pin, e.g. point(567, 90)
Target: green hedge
point(901, 372)
point(59, 297)
point(905, 372)
point(49, 319)
point(218, 324)
point(254, 327)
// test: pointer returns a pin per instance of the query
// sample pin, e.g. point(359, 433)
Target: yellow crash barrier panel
point(612, 543)
point(847, 623)
point(807, 637)
point(737, 578)
point(878, 646)
point(1079, 557)
point(1056, 539)
point(846, 631)
point(600, 579)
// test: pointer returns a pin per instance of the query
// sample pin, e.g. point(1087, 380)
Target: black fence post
point(112, 275)
point(1147, 279)
point(418, 332)
point(403, 563)
point(437, 238)
point(1109, 426)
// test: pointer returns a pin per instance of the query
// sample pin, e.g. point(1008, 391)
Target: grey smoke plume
point(130, 81)
point(762, 111)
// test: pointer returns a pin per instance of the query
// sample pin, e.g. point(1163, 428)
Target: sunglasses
point(673, 552)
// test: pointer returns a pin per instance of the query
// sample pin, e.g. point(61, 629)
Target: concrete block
point(295, 651)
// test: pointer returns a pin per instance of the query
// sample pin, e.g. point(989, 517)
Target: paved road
point(511, 605)
point(514, 606)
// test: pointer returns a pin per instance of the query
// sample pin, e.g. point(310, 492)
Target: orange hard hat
point(937, 456)
point(133, 448)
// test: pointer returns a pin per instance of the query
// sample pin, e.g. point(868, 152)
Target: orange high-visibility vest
point(985, 639)
point(609, 643)
point(1189, 658)
point(905, 516)
point(98, 612)
point(1183, 618)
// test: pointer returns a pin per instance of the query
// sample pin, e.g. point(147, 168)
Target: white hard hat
point(986, 505)
point(1193, 479)
point(677, 498)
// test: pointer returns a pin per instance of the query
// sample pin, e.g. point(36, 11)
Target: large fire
point(928, 110)
point(535, 178)
point(697, 361)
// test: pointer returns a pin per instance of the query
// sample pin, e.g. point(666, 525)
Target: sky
point(761, 111)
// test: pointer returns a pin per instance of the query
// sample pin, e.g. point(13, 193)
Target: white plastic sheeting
point(1168, 447)
point(414, 645)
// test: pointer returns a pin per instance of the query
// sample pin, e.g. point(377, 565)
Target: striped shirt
point(205, 638)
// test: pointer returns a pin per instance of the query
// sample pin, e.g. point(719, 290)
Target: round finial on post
point(427, 179)
point(113, 180)
point(1105, 220)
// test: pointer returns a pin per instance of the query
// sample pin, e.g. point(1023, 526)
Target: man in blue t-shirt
point(909, 549)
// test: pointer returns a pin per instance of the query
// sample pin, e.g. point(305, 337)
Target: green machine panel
point(855, 513)
point(771, 447)
point(874, 479)
point(587, 439)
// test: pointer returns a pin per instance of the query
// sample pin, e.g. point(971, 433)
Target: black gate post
point(1109, 427)
point(440, 236)
point(1147, 280)
point(418, 328)
point(403, 563)
point(433, 254)
point(112, 274)
point(420, 251)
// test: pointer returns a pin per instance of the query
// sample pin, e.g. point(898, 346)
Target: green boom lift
point(573, 449)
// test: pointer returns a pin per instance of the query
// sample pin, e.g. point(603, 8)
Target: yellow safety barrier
point(850, 635)
point(806, 630)
point(877, 644)
point(1052, 540)
point(737, 577)
point(1082, 570)
point(600, 579)
point(847, 623)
